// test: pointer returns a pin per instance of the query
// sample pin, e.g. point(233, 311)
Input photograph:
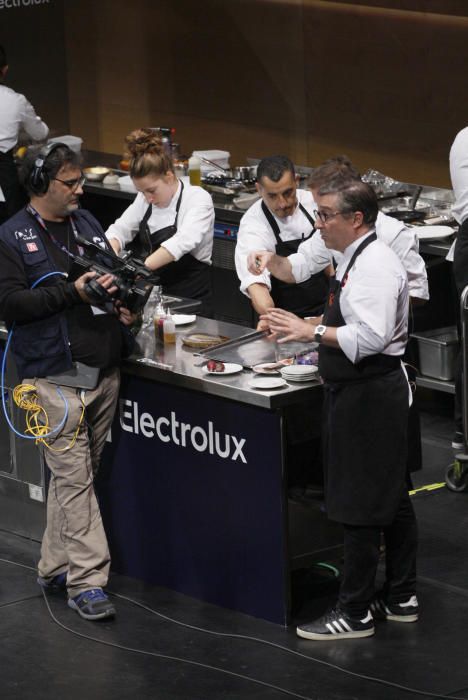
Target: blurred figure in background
point(16, 113)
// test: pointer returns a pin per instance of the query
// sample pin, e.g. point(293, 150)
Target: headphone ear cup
point(39, 179)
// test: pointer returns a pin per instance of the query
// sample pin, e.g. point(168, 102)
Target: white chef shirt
point(16, 113)
point(313, 256)
point(373, 302)
point(195, 223)
point(458, 160)
point(255, 234)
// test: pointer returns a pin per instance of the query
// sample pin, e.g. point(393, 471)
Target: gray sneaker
point(92, 605)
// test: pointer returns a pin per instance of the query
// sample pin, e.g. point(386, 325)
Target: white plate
point(267, 383)
point(245, 201)
point(299, 371)
point(229, 368)
point(183, 319)
point(429, 233)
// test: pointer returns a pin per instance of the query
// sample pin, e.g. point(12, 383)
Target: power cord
point(226, 635)
point(55, 430)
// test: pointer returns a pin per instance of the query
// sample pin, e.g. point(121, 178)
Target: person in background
point(362, 337)
point(170, 224)
point(458, 161)
point(15, 113)
point(312, 255)
point(279, 223)
point(55, 327)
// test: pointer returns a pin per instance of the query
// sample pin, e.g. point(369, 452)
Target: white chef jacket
point(313, 256)
point(373, 302)
point(255, 234)
point(195, 224)
point(15, 113)
point(458, 160)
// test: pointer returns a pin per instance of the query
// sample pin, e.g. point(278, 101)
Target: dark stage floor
point(143, 654)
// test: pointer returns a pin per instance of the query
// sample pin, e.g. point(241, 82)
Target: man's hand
point(125, 316)
point(288, 326)
point(258, 260)
point(105, 281)
point(263, 324)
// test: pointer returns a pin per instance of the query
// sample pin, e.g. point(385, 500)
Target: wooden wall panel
point(390, 86)
point(379, 80)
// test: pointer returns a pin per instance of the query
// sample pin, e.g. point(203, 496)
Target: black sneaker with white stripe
point(336, 624)
point(408, 611)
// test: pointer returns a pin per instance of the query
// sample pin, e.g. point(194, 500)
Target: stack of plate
point(299, 373)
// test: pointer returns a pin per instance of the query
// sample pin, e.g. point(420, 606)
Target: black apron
point(15, 197)
point(304, 299)
point(365, 427)
point(187, 277)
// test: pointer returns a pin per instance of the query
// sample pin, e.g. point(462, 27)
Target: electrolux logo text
point(169, 429)
point(12, 4)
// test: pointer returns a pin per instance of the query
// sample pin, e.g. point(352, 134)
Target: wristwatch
point(319, 331)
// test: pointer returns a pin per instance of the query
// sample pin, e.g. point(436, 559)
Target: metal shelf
point(436, 384)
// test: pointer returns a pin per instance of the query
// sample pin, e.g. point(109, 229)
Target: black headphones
point(39, 179)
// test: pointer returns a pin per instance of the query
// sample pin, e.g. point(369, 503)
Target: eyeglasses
point(72, 184)
point(324, 216)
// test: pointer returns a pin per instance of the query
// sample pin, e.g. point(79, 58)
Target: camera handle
point(96, 292)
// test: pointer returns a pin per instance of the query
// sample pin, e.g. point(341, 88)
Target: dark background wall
point(32, 32)
point(381, 80)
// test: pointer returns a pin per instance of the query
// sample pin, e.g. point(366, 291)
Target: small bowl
point(96, 173)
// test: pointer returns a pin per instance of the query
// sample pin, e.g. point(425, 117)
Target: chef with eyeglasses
point(362, 337)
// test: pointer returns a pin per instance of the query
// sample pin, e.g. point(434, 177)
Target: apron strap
point(144, 234)
point(274, 224)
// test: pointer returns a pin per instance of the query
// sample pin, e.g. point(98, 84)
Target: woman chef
point(170, 224)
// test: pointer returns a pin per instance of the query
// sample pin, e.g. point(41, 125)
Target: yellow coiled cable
point(37, 420)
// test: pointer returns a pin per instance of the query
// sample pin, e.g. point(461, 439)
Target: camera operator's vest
point(42, 347)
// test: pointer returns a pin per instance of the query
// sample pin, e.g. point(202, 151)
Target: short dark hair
point(333, 167)
point(274, 168)
point(3, 57)
point(63, 155)
point(354, 195)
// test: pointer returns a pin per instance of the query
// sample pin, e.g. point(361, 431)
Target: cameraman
point(56, 325)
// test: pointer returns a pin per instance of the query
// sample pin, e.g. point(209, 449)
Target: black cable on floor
point(20, 600)
point(407, 689)
point(390, 684)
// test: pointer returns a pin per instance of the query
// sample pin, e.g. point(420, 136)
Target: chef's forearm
point(159, 258)
point(260, 297)
point(115, 245)
point(281, 268)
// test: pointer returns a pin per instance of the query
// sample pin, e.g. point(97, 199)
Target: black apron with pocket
point(186, 277)
point(304, 299)
point(365, 427)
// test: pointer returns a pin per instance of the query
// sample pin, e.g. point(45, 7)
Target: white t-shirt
point(458, 161)
point(255, 233)
point(373, 302)
point(195, 223)
point(313, 256)
point(16, 113)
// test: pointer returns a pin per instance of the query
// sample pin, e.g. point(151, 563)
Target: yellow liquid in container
point(195, 177)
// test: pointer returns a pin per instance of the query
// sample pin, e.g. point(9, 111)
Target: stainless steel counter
point(182, 366)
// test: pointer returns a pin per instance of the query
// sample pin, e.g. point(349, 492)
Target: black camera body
point(133, 280)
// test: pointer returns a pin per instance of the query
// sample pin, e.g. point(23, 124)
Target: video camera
point(133, 280)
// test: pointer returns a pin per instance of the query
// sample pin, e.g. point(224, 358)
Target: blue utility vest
point(42, 347)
